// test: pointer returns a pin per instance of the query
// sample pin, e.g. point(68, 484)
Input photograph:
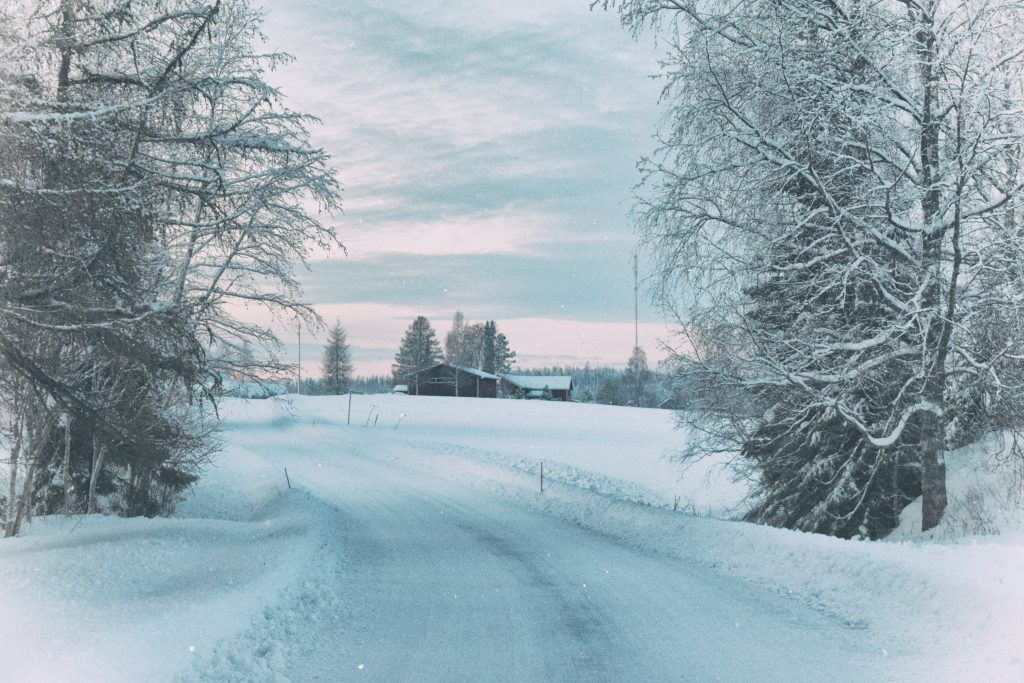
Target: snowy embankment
point(104, 598)
point(227, 587)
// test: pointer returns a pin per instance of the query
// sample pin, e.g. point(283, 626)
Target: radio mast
point(636, 301)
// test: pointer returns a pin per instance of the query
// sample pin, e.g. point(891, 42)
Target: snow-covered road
point(449, 583)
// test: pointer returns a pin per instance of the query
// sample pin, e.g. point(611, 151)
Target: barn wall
point(440, 381)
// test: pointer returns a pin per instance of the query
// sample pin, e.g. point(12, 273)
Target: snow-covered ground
point(415, 545)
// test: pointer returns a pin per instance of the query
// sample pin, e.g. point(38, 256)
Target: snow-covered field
point(415, 545)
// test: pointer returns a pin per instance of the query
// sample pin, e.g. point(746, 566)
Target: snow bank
point(104, 598)
point(986, 497)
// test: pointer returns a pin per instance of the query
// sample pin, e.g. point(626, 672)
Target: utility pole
point(299, 390)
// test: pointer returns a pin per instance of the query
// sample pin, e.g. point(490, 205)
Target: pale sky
point(487, 151)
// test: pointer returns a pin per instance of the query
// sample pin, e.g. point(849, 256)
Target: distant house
point(559, 387)
point(452, 380)
point(400, 389)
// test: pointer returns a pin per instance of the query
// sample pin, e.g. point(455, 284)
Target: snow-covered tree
point(149, 179)
point(454, 341)
point(835, 219)
point(419, 350)
point(636, 377)
point(478, 345)
point(337, 362)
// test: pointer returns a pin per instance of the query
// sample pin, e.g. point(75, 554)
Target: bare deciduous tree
point(151, 182)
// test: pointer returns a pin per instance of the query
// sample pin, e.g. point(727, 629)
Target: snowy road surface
point(445, 582)
point(454, 585)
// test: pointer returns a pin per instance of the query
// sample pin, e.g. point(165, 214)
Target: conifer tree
point(419, 351)
point(337, 362)
point(487, 354)
point(504, 357)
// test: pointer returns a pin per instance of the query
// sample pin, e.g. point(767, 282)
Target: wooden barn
point(558, 387)
point(452, 380)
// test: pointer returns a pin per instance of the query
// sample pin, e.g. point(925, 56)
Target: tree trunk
point(66, 469)
point(97, 466)
point(933, 472)
point(23, 507)
point(12, 491)
point(932, 438)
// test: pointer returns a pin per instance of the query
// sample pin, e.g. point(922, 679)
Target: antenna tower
point(636, 301)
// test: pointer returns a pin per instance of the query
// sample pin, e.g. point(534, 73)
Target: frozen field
point(415, 545)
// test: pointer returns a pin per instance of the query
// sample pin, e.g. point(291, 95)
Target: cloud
point(592, 281)
point(436, 107)
point(487, 149)
point(499, 232)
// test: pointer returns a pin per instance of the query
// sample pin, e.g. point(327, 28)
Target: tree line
point(481, 346)
point(635, 385)
point(151, 185)
point(470, 345)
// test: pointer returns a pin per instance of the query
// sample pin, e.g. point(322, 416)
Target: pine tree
point(419, 351)
point(337, 363)
point(504, 357)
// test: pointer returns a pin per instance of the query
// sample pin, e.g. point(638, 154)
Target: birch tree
point(833, 214)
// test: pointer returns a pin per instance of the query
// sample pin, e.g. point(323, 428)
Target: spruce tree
point(504, 357)
point(489, 347)
point(337, 362)
point(419, 350)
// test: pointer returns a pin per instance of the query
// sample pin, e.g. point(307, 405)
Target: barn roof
point(539, 382)
point(471, 371)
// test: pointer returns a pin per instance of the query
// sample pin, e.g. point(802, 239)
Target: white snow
point(421, 548)
point(541, 382)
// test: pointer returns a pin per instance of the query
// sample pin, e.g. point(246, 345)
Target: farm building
point(538, 386)
point(452, 380)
